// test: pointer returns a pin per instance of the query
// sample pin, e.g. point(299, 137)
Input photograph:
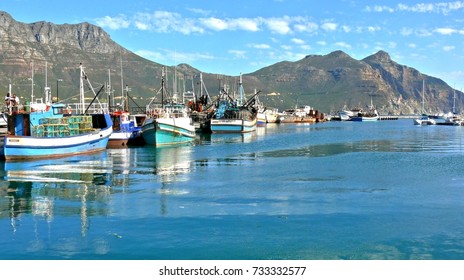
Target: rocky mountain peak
point(338, 54)
point(84, 36)
point(379, 57)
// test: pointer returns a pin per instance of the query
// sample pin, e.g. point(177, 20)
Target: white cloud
point(238, 53)
point(113, 23)
point(245, 24)
point(305, 47)
point(259, 46)
point(278, 25)
point(440, 7)
point(322, 43)
point(373, 28)
point(346, 28)
point(379, 9)
point(164, 22)
point(230, 24)
point(214, 23)
point(445, 31)
point(306, 27)
point(343, 45)
point(448, 48)
point(298, 41)
point(412, 45)
point(329, 26)
point(286, 47)
point(423, 32)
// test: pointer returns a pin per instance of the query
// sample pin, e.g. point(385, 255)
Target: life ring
point(69, 110)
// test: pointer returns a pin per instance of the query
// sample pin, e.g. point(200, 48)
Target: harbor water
point(337, 190)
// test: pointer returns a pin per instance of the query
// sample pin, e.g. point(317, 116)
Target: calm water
point(384, 190)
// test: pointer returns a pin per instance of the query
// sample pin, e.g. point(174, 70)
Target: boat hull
point(125, 139)
point(365, 119)
point(168, 131)
point(29, 147)
point(232, 125)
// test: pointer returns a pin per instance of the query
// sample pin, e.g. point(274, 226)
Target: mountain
point(62, 48)
point(331, 81)
point(326, 82)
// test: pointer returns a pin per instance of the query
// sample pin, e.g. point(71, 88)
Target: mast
point(423, 95)
point(32, 82)
point(81, 87)
point(10, 107)
point(162, 88)
point(47, 90)
point(174, 85)
point(240, 89)
point(108, 88)
point(201, 84)
point(122, 84)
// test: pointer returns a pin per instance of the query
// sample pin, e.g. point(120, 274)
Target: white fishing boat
point(424, 120)
point(234, 116)
point(369, 115)
point(347, 114)
point(168, 122)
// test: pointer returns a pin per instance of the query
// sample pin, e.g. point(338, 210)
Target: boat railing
point(167, 111)
point(76, 108)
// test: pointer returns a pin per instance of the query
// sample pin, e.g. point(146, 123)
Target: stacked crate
point(62, 127)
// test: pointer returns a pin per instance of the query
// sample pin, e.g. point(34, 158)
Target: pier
point(388, 118)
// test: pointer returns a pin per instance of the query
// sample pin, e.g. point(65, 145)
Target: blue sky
point(233, 37)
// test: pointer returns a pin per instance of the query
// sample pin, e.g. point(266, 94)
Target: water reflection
point(411, 141)
point(233, 138)
point(55, 187)
point(172, 166)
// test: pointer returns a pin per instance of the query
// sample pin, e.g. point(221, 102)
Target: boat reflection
point(233, 138)
point(173, 164)
point(35, 187)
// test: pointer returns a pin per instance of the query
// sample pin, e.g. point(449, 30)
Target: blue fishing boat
point(50, 134)
point(232, 116)
point(127, 130)
point(168, 122)
point(54, 132)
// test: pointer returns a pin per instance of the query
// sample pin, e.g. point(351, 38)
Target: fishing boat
point(369, 115)
point(126, 130)
point(233, 116)
point(348, 114)
point(168, 122)
point(261, 118)
point(201, 109)
point(54, 132)
point(424, 120)
point(271, 114)
point(302, 114)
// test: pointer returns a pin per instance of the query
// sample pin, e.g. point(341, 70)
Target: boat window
point(58, 110)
